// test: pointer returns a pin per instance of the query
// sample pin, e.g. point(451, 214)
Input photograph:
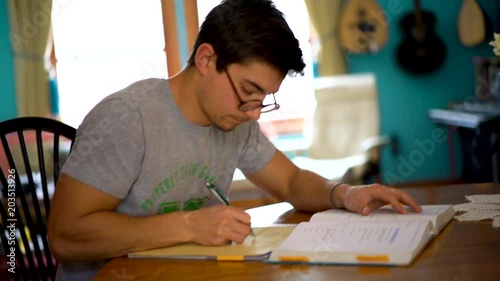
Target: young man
point(136, 176)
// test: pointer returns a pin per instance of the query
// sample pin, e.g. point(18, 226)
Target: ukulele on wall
point(421, 51)
point(471, 24)
point(363, 26)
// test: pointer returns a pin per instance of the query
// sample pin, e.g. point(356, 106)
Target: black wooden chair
point(32, 152)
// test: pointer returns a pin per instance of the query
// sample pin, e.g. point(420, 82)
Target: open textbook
point(438, 215)
point(330, 237)
point(383, 238)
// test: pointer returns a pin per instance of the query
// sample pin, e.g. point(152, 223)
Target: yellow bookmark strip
point(230, 258)
point(293, 259)
point(363, 258)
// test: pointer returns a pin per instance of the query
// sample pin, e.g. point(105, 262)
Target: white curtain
point(29, 32)
point(325, 15)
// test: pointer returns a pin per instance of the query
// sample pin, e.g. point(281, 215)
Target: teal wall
point(7, 93)
point(405, 99)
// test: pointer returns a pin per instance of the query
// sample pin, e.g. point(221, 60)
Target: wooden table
point(461, 252)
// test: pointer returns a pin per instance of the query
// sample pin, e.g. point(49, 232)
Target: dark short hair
point(242, 31)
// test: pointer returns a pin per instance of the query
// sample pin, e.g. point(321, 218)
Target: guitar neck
point(419, 21)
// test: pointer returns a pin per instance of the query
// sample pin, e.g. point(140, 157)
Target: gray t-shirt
point(137, 146)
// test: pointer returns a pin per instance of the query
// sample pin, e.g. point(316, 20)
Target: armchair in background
point(343, 135)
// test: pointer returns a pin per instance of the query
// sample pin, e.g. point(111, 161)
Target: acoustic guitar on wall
point(421, 50)
point(363, 26)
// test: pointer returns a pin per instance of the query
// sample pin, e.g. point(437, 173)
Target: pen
point(218, 193)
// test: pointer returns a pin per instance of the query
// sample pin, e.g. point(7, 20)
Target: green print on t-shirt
point(186, 171)
point(190, 205)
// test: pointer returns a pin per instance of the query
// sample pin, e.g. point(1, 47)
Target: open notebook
point(330, 237)
point(253, 248)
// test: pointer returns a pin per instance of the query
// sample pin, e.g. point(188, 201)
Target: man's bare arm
point(309, 191)
point(83, 225)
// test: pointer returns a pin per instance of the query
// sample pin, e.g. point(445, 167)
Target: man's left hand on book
point(365, 198)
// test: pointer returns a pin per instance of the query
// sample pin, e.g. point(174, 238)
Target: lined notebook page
point(265, 240)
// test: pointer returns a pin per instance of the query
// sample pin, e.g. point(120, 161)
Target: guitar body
point(424, 52)
point(363, 26)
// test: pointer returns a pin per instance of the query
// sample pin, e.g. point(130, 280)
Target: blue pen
point(218, 193)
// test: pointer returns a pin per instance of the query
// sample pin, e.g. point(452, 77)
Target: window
point(102, 47)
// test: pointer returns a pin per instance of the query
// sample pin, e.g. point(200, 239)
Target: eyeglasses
point(252, 104)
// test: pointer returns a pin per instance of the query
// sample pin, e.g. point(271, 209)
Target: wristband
point(331, 194)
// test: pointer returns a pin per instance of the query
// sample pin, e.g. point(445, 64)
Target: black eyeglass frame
point(252, 104)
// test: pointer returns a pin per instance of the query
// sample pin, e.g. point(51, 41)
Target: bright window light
point(102, 47)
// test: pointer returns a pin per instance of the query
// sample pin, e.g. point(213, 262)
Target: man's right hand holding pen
point(220, 196)
point(217, 225)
